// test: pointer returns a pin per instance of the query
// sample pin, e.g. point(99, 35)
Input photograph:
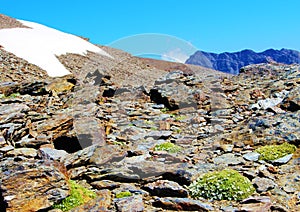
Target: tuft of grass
point(273, 152)
point(78, 196)
point(180, 118)
point(227, 184)
point(165, 110)
point(11, 96)
point(167, 146)
point(123, 194)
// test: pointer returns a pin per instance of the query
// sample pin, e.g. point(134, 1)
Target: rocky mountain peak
point(232, 62)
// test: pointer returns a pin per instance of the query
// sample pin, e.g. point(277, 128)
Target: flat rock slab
point(182, 204)
point(130, 204)
point(165, 188)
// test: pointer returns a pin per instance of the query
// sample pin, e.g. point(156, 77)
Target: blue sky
point(209, 25)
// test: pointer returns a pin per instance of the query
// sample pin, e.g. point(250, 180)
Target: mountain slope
point(232, 62)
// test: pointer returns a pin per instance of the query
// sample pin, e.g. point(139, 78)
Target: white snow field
point(40, 45)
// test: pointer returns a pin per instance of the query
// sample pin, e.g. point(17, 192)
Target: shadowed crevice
point(72, 144)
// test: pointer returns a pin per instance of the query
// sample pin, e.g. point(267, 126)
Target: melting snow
point(40, 45)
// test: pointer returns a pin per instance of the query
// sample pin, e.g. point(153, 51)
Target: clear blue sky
point(210, 25)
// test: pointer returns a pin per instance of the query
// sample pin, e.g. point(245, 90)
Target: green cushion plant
point(167, 146)
point(227, 184)
point(273, 152)
point(78, 196)
point(123, 194)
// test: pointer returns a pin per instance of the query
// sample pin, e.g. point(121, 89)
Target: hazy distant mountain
point(232, 62)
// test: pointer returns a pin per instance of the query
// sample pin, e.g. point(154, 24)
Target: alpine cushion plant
point(227, 184)
point(78, 196)
point(167, 146)
point(273, 152)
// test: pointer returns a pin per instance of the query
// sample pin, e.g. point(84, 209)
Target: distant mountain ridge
point(232, 62)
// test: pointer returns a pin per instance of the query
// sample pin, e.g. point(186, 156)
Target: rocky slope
point(102, 125)
point(232, 62)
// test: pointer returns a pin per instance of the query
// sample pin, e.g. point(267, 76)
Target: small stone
point(251, 156)
point(52, 154)
point(182, 204)
point(262, 206)
point(229, 159)
point(282, 160)
point(159, 134)
point(265, 199)
point(105, 184)
point(263, 184)
point(227, 147)
point(165, 188)
point(6, 149)
point(26, 152)
point(269, 103)
point(130, 204)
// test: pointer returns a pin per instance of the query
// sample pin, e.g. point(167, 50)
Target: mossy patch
point(227, 184)
point(167, 146)
point(78, 196)
point(273, 152)
point(123, 194)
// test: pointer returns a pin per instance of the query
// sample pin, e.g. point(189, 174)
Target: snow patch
point(40, 45)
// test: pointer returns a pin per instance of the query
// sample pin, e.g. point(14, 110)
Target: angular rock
point(31, 185)
point(269, 103)
point(159, 134)
point(282, 160)
point(263, 184)
point(100, 203)
point(55, 127)
point(52, 154)
point(251, 156)
point(229, 158)
point(182, 204)
point(292, 101)
point(130, 204)
point(26, 152)
point(97, 155)
point(165, 188)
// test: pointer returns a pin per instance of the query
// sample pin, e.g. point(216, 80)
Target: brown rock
point(31, 185)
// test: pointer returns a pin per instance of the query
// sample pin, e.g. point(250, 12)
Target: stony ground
point(100, 127)
point(8, 22)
